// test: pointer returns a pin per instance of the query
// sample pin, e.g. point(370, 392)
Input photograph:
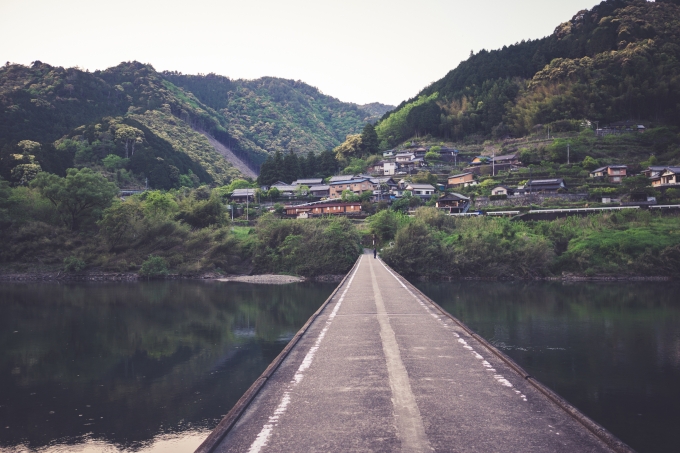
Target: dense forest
point(618, 61)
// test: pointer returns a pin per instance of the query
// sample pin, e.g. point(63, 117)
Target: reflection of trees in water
point(144, 356)
point(612, 348)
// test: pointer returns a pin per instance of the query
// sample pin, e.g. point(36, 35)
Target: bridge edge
point(228, 421)
point(595, 428)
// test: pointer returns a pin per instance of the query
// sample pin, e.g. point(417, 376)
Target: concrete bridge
point(380, 367)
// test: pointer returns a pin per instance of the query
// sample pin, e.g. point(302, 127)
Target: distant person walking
point(375, 252)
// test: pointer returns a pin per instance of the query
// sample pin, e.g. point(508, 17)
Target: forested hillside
point(138, 125)
point(618, 61)
point(275, 114)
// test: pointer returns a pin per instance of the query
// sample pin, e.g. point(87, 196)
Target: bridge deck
point(382, 369)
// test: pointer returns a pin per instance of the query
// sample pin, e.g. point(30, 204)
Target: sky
point(355, 50)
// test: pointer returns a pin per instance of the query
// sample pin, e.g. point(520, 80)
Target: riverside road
point(381, 368)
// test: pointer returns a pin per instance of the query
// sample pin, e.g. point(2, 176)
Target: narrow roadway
point(381, 369)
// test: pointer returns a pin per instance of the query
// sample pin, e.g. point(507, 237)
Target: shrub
point(498, 197)
point(73, 264)
point(154, 266)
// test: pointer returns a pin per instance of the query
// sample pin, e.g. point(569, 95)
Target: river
point(149, 367)
point(610, 349)
point(153, 366)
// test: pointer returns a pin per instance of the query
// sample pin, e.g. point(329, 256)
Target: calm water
point(612, 350)
point(153, 367)
point(136, 367)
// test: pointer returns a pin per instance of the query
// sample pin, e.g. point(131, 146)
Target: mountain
point(272, 114)
point(618, 61)
point(376, 110)
point(204, 128)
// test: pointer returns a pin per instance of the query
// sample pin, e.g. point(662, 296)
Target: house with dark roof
point(507, 159)
point(669, 177)
point(320, 191)
point(242, 195)
point(544, 186)
point(453, 202)
point(653, 171)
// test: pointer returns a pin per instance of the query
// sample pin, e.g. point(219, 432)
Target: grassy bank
point(432, 245)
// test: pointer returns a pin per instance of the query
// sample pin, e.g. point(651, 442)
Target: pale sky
point(355, 50)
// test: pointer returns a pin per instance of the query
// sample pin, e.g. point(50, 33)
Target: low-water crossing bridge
point(380, 367)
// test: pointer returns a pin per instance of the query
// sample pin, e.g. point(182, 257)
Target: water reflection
point(611, 349)
point(129, 366)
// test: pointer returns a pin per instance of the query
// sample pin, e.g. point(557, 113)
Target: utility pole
point(493, 164)
point(567, 153)
point(247, 200)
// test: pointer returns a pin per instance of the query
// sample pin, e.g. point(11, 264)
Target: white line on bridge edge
point(263, 437)
point(501, 380)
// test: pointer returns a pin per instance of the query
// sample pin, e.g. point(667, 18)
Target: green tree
point(113, 162)
point(120, 222)
point(77, 196)
point(159, 204)
point(589, 163)
point(129, 136)
point(291, 167)
point(369, 140)
point(351, 147)
point(239, 184)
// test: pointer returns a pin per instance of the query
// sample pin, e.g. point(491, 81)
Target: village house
point(543, 186)
point(377, 168)
point(462, 180)
point(420, 152)
point(356, 186)
point(453, 203)
point(502, 190)
point(243, 195)
point(308, 182)
point(320, 191)
point(507, 159)
point(424, 191)
point(613, 173)
point(388, 153)
point(670, 176)
point(654, 171)
point(286, 190)
point(405, 157)
point(389, 168)
point(310, 210)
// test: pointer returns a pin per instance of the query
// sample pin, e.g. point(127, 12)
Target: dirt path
point(230, 156)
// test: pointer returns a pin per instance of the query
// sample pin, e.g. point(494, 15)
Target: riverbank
point(60, 276)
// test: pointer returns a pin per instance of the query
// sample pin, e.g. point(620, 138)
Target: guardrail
point(502, 213)
point(557, 211)
point(665, 206)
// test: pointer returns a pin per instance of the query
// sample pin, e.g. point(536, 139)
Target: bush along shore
point(71, 228)
point(627, 244)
